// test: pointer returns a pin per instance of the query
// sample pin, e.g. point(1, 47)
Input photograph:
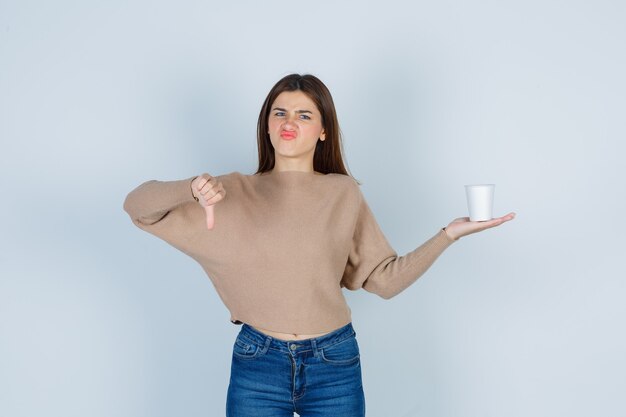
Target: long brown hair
point(328, 155)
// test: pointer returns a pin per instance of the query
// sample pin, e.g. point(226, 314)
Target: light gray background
point(98, 318)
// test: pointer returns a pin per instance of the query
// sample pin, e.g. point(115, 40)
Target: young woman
point(279, 245)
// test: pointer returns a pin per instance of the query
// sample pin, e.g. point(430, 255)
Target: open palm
point(463, 226)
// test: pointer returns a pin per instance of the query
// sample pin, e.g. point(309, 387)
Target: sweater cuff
point(177, 191)
point(149, 201)
point(181, 190)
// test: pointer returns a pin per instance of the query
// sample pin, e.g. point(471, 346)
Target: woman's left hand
point(463, 226)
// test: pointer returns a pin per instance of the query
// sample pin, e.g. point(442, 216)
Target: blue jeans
point(319, 377)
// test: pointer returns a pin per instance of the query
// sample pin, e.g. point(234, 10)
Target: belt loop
point(268, 340)
point(314, 347)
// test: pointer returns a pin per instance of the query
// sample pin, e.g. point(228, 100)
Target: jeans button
point(293, 346)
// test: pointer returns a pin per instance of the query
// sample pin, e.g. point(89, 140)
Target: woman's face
point(295, 125)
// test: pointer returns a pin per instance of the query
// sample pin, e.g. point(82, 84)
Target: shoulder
point(341, 178)
point(231, 177)
point(347, 186)
point(232, 174)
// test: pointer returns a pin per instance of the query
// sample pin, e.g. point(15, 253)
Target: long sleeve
point(376, 267)
point(152, 200)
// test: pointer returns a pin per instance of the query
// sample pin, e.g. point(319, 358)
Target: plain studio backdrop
point(100, 319)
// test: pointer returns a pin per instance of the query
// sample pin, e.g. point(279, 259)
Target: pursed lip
point(287, 134)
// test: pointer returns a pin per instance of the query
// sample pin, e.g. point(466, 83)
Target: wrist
point(191, 188)
point(450, 236)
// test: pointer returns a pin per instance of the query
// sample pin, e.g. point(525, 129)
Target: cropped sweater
point(283, 246)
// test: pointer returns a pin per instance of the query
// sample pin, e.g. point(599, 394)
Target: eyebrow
point(297, 111)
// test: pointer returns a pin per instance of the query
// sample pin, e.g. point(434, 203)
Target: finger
point(511, 215)
point(500, 220)
point(216, 198)
point(206, 191)
point(204, 179)
point(507, 217)
point(210, 217)
point(199, 184)
point(209, 189)
point(489, 223)
point(211, 195)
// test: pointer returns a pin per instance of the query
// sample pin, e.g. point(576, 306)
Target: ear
point(323, 135)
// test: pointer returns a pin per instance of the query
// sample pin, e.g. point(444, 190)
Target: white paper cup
point(480, 201)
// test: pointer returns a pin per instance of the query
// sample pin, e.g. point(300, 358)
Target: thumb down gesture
point(208, 191)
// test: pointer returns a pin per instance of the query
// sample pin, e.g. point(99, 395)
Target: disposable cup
point(480, 201)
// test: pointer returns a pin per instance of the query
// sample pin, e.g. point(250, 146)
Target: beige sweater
point(283, 245)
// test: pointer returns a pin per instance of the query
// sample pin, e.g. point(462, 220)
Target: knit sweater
point(283, 246)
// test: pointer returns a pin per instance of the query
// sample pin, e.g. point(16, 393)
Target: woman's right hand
point(208, 191)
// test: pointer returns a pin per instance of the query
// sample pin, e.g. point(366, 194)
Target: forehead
point(296, 100)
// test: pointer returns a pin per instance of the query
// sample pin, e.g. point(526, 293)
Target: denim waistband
point(293, 346)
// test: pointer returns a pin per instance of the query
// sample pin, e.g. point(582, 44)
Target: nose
point(289, 123)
